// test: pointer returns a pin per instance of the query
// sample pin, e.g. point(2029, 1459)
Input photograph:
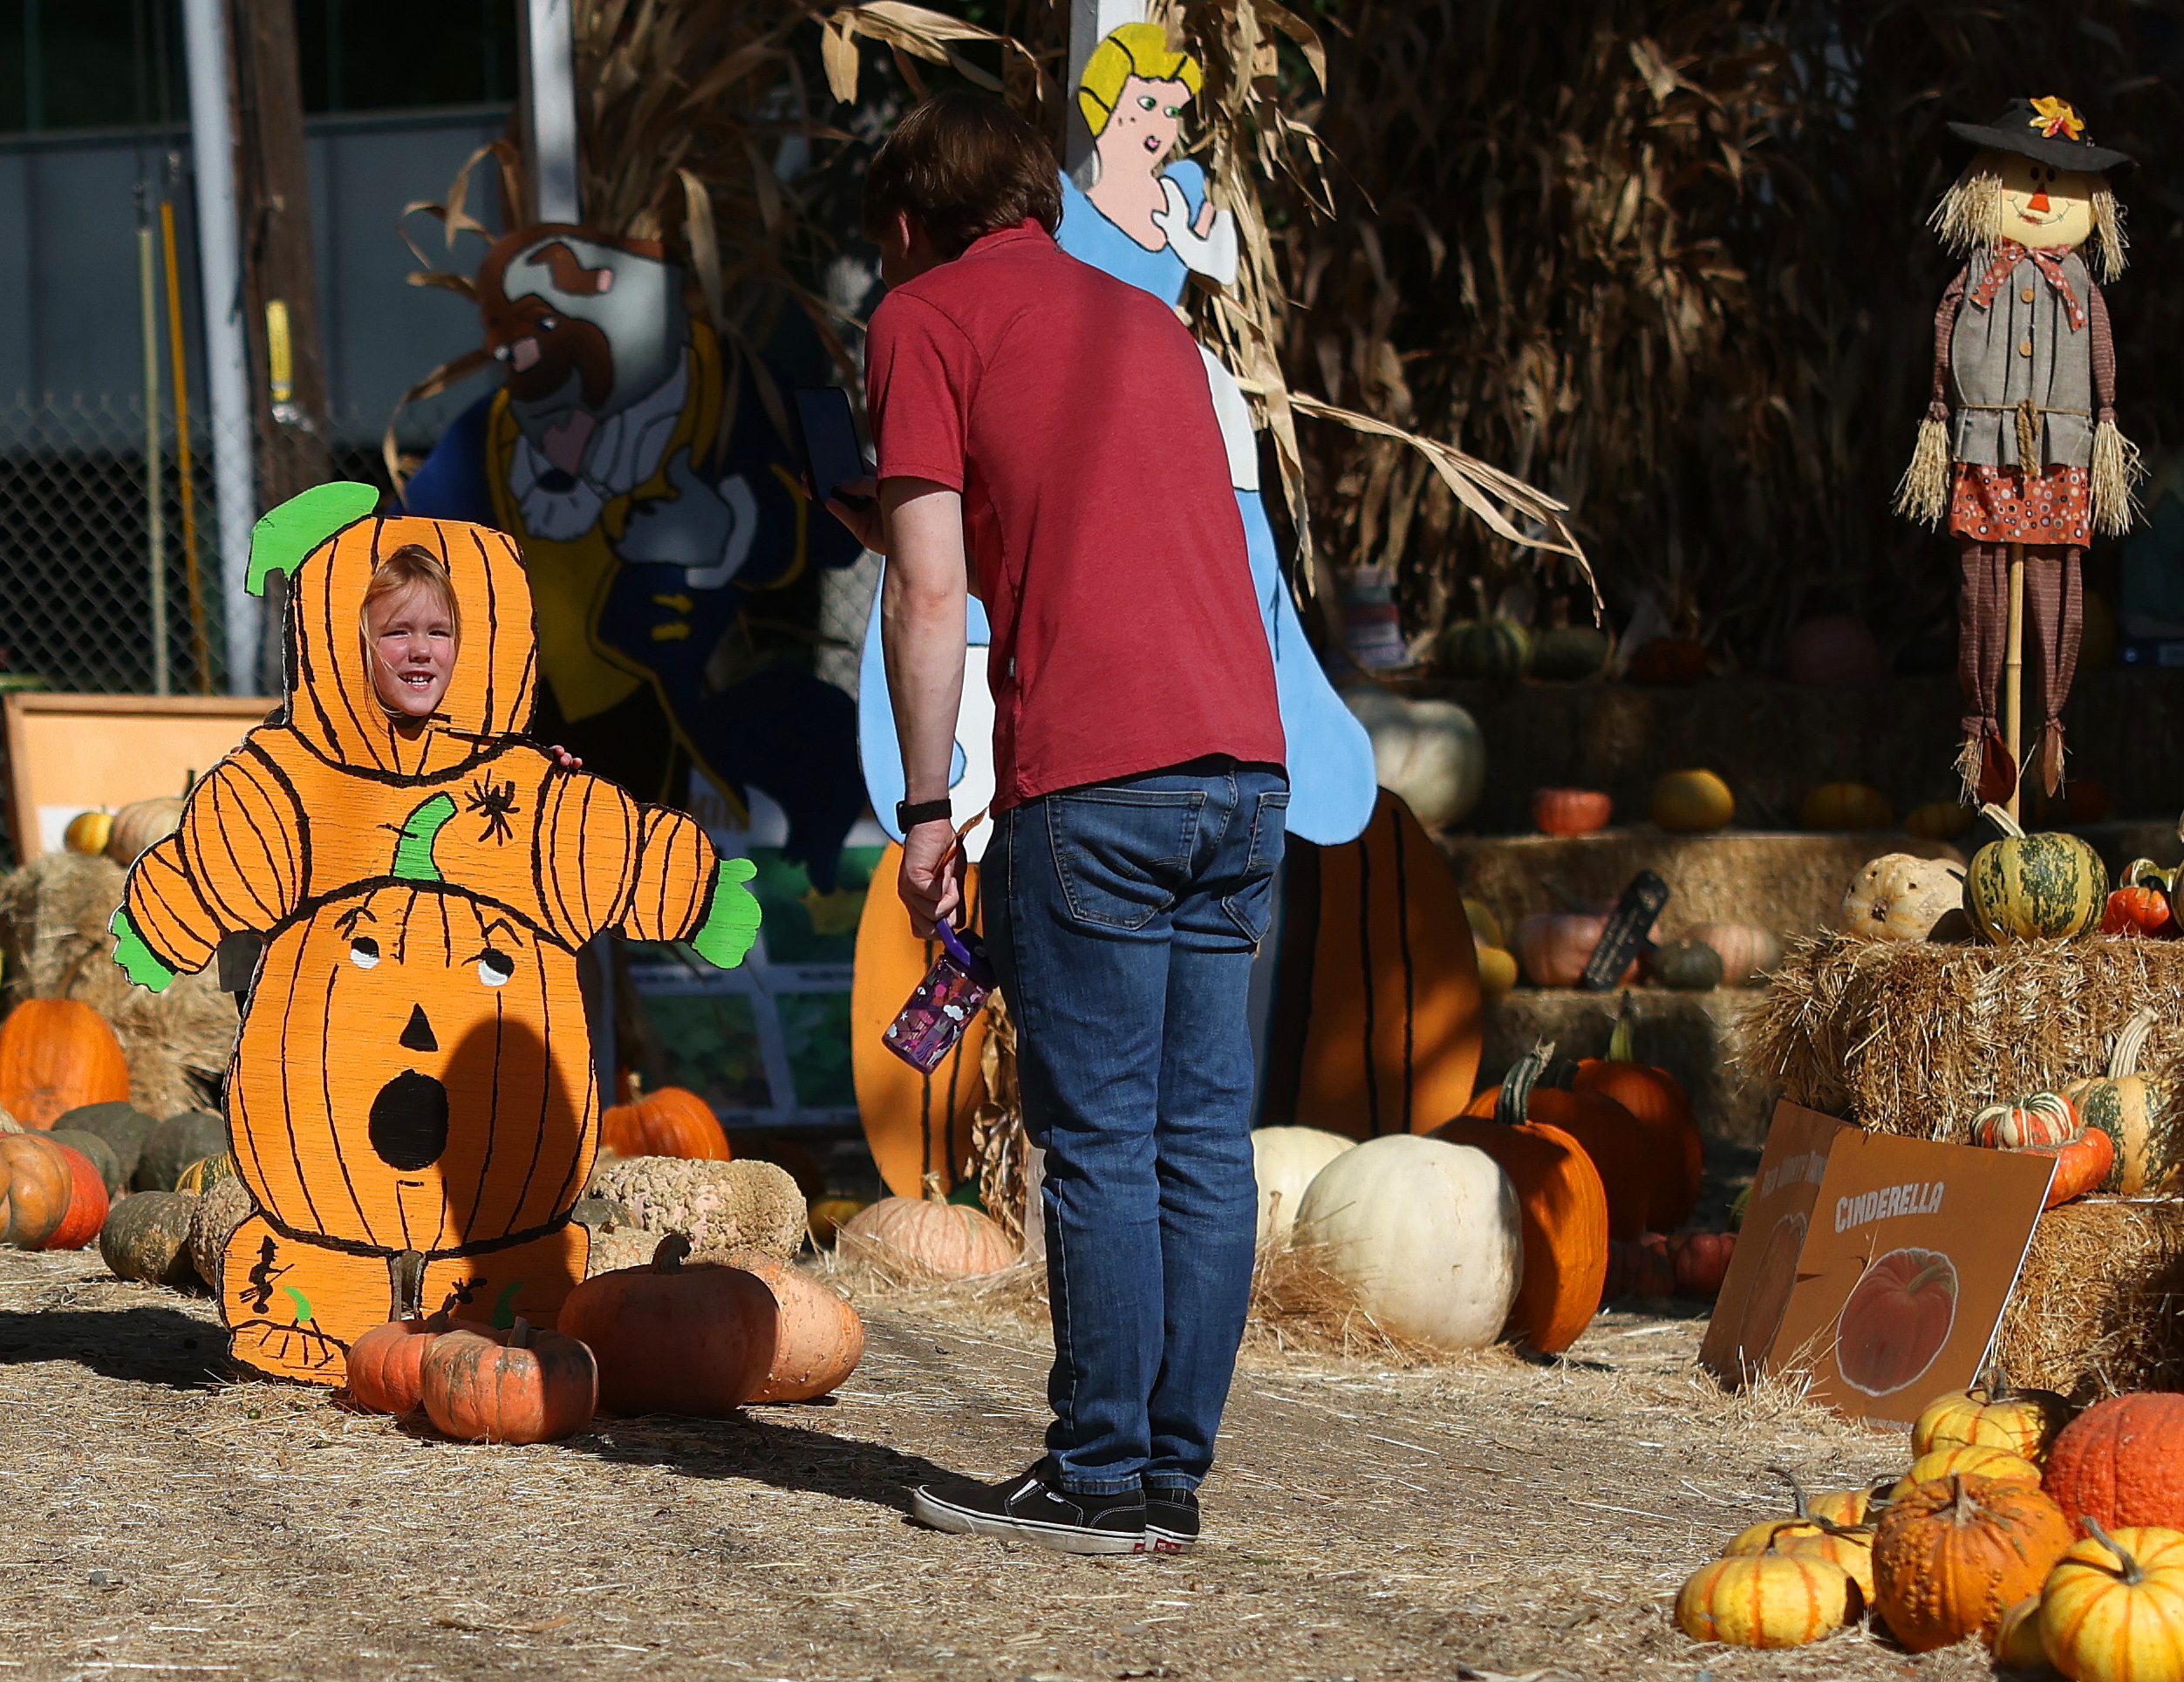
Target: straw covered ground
point(1484, 1517)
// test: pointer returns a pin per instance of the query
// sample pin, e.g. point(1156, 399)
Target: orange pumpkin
point(1570, 811)
point(1676, 1156)
point(675, 1340)
point(386, 1364)
point(2135, 910)
point(926, 1236)
point(1562, 1208)
point(668, 1122)
point(2080, 1165)
point(518, 1385)
point(86, 1210)
point(1951, 1556)
point(819, 1336)
point(414, 1071)
point(37, 1184)
point(2121, 1462)
point(1702, 1262)
point(1604, 1129)
point(56, 1054)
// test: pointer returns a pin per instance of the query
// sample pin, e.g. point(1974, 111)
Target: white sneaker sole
point(930, 1510)
point(1166, 1542)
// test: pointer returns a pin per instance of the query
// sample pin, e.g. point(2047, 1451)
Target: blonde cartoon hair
point(1969, 218)
point(1133, 50)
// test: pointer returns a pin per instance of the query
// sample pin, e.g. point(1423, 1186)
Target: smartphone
point(827, 434)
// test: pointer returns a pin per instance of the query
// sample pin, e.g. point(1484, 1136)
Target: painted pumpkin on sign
point(1895, 1320)
point(414, 1071)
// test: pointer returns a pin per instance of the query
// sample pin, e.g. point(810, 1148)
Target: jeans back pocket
point(1123, 854)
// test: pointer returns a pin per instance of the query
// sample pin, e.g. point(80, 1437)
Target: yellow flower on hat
point(2054, 117)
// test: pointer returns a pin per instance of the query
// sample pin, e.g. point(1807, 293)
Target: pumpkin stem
point(1796, 1491)
point(2000, 820)
point(1511, 1106)
point(1623, 1042)
point(2123, 1061)
point(671, 1253)
point(2133, 1571)
point(935, 1192)
point(519, 1334)
point(408, 1270)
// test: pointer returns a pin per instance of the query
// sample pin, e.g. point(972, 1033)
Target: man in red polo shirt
point(1051, 427)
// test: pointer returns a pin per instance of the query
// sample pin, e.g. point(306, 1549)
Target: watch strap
point(909, 815)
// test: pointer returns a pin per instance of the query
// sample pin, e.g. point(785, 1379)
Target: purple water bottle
point(954, 991)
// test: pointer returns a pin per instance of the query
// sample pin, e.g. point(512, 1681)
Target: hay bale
point(1913, 1038)
point(54, 917)
point(1790, 884)
point(1691, 1035)
point(2096, 1308)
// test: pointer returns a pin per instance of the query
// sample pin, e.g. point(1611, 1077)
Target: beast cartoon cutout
point(414, 1075)
point(654, 499)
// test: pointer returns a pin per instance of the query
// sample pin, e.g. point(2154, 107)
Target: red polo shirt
point(1071, 411)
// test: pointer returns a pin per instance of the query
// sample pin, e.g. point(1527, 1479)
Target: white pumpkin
point(1746, 949)
point(1427, 1233)
point(1286, 1160)
point(1899, 896)
point(1428, 752)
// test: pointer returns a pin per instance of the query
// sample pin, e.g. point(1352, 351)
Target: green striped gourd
point(2044, 887)
point(2138, 1113)
point(1487, 648)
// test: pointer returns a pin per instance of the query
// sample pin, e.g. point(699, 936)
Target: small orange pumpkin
point(2135, 910)
point(1953, 1555)
point(675, 1340)
point(86, 1210)
point(1675, 1162)
point(386, 1364)
point(36, 1186)
point(2119, 1463)
point(1604, 1129)
point(819, 1336)
point(518, 1385)
point(55, 1055)
point(1702, 1262)
point(2080, 1165)
point(1570, 811)
point(2043, 1118)
point(667, 1122)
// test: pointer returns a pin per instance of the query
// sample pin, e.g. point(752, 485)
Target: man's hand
point(932, 878)
point(867, 524)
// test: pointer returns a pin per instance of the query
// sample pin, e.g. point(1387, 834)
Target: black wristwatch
point(908, 815)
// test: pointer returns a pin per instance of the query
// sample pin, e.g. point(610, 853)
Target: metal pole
point(2013, 681)
point(551, 44)
point(226, 358)
point(154, 493)
point(185, 469)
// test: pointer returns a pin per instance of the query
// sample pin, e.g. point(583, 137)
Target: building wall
point(70, 303)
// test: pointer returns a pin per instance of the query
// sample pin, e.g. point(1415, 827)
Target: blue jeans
point(1123, 918)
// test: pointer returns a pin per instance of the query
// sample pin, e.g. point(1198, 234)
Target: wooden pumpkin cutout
point(414, 1070)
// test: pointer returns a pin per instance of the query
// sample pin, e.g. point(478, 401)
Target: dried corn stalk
point(998, 1143)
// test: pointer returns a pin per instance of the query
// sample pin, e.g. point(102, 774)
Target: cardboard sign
point(72, 754)
point(1878, 1263)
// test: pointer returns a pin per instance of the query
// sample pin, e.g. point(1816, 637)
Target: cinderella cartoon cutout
point(1149, 222)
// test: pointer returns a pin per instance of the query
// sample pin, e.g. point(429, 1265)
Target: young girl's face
point(413, 638)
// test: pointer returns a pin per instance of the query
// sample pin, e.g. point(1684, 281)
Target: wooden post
point(2013, 682)
point(280, 279)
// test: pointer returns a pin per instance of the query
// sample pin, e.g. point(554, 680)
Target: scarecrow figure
point(2019, 446)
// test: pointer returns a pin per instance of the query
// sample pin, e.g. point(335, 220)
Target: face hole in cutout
point(409, 1121)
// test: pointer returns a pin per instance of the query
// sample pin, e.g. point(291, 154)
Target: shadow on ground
point(768, 1449)
point(149, 1344)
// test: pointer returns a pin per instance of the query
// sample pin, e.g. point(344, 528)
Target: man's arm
point(921, 633)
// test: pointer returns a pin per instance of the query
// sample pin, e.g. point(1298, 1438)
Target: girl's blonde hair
point(1969, 219)
point(410, 565)
point(1132, 49)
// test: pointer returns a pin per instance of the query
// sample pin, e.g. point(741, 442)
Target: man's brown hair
point(963, 167)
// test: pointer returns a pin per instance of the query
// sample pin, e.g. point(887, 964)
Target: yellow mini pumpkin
point(1767, 1599)
point(1995, 1464)
point(1845, 806)
point(2113, 1607)
point(2021, 1422)
point(1691, 802)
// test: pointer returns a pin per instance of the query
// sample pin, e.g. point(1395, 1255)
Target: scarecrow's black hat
point(2045, 129)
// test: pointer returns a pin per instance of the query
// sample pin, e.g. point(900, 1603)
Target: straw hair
point(1922, 494)
point(1968, 221)
point(2117, 471)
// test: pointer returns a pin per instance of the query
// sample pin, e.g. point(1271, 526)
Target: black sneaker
point(1033, 1509)
point(1171, 1519)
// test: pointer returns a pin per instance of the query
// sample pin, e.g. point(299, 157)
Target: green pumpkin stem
point(2132, 1571)
point(1514, 1100)
point(2002, 821)
point(1622, 1044)
point(1796, 1492)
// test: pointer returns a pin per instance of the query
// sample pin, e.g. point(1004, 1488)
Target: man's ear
point(905, 232)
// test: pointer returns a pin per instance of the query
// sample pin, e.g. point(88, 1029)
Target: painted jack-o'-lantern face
point(2043, 207)
point(409, 1063)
